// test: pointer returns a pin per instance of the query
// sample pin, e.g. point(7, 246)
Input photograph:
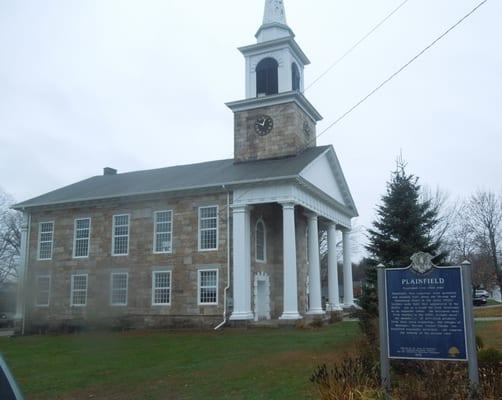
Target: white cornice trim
point(274, 44)
point(297, 193)
point(277, 99)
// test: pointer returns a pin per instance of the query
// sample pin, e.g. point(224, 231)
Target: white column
point(348, 288)
point(333, 292)
point(290, 292)
point(247, 276)
point(315, 305)
point(22, 271)
point(241, 265)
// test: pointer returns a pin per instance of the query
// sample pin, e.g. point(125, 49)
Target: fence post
point(382, 320)
point(472, 355)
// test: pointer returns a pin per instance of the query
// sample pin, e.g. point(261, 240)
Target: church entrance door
point(262, 297)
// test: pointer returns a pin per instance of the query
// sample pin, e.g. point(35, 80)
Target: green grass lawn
point(491, 333)
point(253, 364)
point(233, 364)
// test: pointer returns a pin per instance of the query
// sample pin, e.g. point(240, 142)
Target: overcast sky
point(140, 84)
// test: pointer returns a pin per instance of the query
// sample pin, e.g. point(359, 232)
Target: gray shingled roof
point(184, 177)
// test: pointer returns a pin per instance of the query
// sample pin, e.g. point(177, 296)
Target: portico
point(304, 210)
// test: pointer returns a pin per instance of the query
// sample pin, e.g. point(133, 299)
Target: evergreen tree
point(404, 226)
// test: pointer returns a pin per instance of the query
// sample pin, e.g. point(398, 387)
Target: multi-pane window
point(208, 286)
point(119, 285)
point(163, 231)
point(79, 290)
point(261, 243)
point(43, 290)
point(208, 228)
point(161, 288)
point(120, 235)
point(45, 240)
point(82, 237)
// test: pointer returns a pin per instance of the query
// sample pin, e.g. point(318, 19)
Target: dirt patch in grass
point(488, 312)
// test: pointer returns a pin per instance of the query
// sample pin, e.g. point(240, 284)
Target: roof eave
point(27, 206)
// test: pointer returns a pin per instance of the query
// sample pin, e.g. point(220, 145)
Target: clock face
point(264, 125)
point(306, 129)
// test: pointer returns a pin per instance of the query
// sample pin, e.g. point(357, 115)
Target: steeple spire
point(274, 22)
point(274, 12)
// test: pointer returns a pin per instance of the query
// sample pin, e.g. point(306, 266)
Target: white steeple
point(274, 12)
point(274, 22)
point(276, 63)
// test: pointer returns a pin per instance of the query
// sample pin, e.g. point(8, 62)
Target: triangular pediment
point(326, 175)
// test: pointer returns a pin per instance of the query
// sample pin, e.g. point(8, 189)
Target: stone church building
point(202, 244)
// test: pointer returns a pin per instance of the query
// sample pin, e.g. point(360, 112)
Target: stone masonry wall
point(287, 138)
point(184, 263)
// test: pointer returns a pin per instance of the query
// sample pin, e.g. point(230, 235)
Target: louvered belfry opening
point(295, 73)
point(267, 77)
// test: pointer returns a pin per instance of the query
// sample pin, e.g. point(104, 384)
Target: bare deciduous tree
point(10, 238)
point(484, 214)
point(446, 212)
point(461, 239)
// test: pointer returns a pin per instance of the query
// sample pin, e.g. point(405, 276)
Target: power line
point(390, 78)
point(356, 45)
point(375, 28)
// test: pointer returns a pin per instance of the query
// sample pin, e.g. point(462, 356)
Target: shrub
point(335, 316)
point(479, 343)
point(491, 381)
point(369, 327)
point(489, 356)
point(432, 380)
point(316, 323)
point(354, 378)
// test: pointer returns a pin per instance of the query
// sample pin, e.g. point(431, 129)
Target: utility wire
point(375, 28)
point(390, 78)
point(356, 45)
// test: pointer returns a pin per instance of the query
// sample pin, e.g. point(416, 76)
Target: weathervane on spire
point(274, 12)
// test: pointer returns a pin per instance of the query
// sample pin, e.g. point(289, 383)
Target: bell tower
point(275, 119)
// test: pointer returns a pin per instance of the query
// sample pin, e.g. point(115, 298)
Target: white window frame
point(199, 286)
point(121, 289)
point(37, 304)
point(199, 233)
point(264, 260)
point(155, 223)
point(80, 290)
point(40, 240)
point(128, 235)
point(75, 238)
point(154, 288)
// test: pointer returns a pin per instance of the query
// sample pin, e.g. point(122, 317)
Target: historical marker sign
point(425, 314)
